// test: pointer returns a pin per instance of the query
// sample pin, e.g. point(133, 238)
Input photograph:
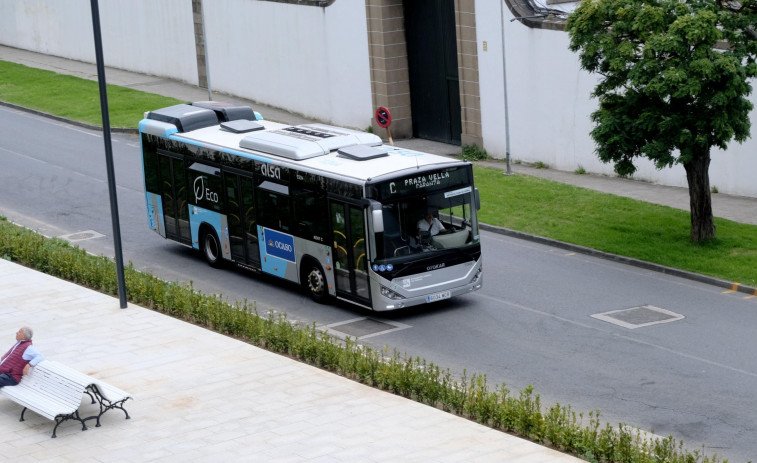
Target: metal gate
point(432, 62)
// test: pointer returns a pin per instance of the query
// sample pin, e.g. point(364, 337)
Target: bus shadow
point(436, 308)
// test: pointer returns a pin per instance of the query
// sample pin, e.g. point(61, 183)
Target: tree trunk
point(700, 200)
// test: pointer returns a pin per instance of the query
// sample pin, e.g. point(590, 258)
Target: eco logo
point(203, 192)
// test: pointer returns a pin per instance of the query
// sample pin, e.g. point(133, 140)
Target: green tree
point(675, 80)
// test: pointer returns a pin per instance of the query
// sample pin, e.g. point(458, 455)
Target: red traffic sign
point(383, 117)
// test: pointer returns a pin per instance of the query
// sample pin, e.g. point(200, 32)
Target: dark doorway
point(432, 63)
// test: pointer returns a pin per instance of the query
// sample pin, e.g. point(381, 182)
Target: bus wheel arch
point(210, 246)
point(313, 280)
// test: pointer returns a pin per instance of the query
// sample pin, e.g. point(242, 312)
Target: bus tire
point(211, 248)
point(314, 282)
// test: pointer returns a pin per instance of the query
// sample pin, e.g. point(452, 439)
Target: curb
point(67, 121)
point(729, 285)
point(717, 282)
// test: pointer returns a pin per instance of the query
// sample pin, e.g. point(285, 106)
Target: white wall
point(154, 37)
point(314, 61)
point(549, 107)
point(309, 60)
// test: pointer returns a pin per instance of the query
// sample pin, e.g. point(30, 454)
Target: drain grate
point(81, 236)
point(364, 327)
point(637, 317)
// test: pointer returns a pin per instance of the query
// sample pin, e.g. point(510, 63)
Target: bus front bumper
point(382, 303)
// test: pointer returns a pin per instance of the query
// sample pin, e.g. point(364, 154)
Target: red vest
point(15, 363)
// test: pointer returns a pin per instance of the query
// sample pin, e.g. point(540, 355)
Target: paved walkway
point(201, 396)
point(736, 208)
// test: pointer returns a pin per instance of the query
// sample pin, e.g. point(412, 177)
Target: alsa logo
point(435, 267)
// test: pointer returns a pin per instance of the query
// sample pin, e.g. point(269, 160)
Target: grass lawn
point(73, 97)
point(616, 224)
point(588, 218)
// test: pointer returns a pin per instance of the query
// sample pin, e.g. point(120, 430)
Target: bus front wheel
point(211, 249)
point(315, 283)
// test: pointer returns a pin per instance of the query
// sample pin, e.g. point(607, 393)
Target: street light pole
point(108, 152)
point(504, 80)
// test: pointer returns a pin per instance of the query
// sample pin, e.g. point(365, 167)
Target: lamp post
point(504, 80)
point(108, 153)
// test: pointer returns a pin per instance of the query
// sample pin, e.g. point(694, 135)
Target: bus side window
point(308, 207)
point(152, 180)
point(273, 210)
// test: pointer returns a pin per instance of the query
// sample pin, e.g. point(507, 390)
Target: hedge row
point(470, 396)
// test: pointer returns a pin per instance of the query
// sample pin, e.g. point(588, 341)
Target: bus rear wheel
point(211, 249)
point(314, 283)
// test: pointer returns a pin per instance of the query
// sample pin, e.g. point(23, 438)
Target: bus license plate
point(438, 296)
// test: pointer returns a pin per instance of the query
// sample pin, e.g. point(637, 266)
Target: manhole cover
point(364, 327)
point(637, 317)
point(81, 236)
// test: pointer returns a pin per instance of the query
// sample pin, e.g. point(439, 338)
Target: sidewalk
point(736, 208)
point(202, 396)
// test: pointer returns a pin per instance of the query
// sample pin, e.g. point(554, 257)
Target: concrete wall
point(549, 107)
point(154, 37)
point(309, 60)
point(314, 61)
point(305, 59)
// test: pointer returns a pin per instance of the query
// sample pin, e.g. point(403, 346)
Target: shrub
point(474, 153)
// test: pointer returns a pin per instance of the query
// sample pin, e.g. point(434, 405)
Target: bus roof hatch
point(306, 141)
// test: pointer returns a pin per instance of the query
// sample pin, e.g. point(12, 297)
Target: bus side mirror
point(378, 220)
point(477, 199)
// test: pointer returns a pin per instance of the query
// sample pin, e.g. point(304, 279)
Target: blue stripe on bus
point(198, 216)
point(152, 214)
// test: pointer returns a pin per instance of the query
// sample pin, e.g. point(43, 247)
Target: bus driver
point(430, 224)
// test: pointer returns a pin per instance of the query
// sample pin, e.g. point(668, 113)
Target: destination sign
point(424, 183)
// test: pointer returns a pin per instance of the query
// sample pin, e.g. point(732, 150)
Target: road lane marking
point(619, 335)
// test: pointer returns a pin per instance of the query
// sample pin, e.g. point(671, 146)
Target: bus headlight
point(477, 276)
point(389, 294)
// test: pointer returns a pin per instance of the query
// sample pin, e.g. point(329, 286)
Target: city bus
point(331, 209)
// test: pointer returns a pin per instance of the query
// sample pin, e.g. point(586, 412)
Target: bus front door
point(350, 264)
point(243, 234)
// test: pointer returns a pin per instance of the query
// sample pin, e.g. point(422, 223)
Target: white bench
point(55, 391)
point(108, 396)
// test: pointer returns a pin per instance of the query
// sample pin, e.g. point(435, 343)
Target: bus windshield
point(428, 223)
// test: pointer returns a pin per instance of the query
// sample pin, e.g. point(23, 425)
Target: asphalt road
point(691, 372)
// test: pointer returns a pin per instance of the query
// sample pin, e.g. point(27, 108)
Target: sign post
point(384, 119)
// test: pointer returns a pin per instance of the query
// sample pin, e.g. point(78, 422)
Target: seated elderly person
point(17, 361)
